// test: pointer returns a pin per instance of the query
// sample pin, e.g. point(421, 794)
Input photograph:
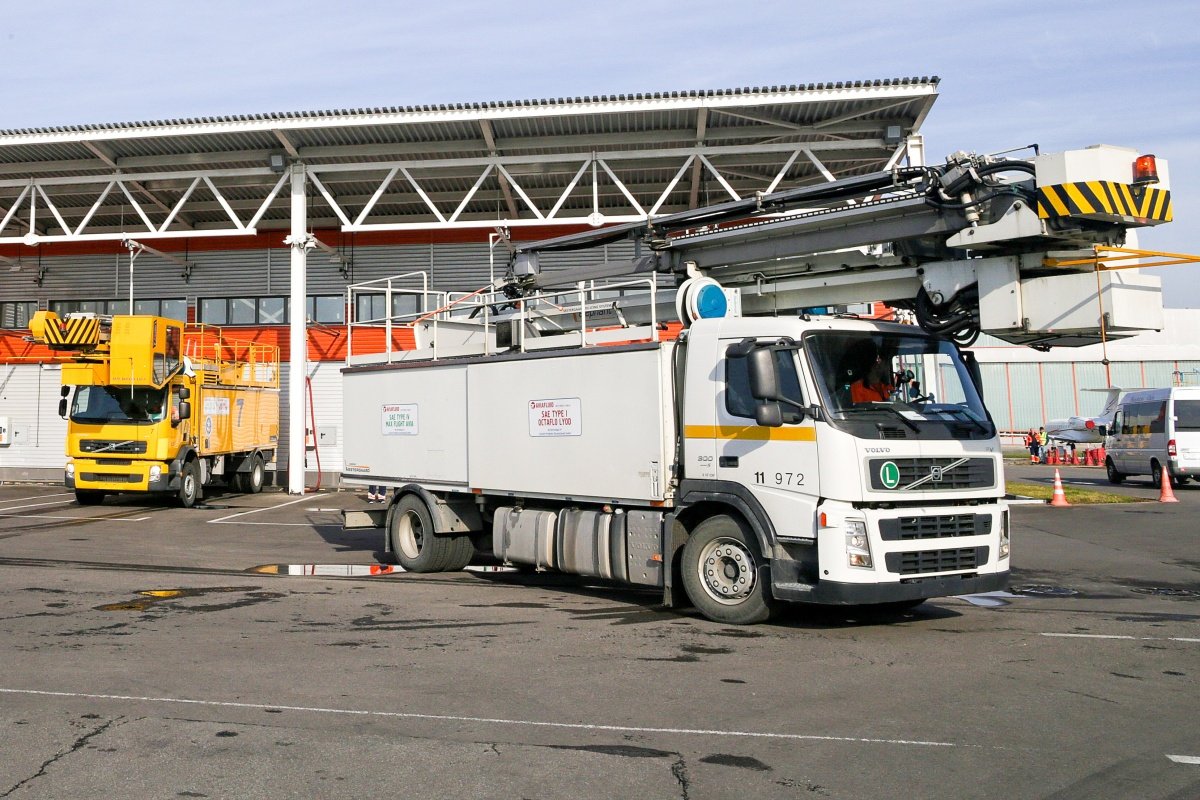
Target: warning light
point(1090, 424)
point(1145, 170)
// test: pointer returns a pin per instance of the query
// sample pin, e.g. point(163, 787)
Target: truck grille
point(906, 528)
point(111, 446)
point(920, 562)
point(935, 474)
point(109, 477)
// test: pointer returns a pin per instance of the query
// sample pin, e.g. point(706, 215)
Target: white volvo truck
point(765, 454)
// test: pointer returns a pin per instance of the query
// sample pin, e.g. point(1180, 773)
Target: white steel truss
point(593, 188)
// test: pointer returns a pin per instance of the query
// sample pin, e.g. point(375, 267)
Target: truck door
point(777, 465)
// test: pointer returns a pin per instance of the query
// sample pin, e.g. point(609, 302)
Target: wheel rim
point(410, 534)
point(726, 569)
point(256, 474)
point(189, 485)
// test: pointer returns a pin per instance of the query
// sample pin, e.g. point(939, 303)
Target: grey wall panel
point(1090, 375)
point(1026, 396)
point(1159, 373)
point(29, 399)
point(995, 394)
point(1058, 388)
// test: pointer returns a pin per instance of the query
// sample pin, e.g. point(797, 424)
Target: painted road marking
point(1114, 636)
point(304, 499)
point(37, 505)
point(76, 519)
point(36, 497)
point(1185, 759)
point(490, 720)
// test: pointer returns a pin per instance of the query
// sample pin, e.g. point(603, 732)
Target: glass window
point(915, 381)
point(214, 311)
point(272, 311)
point(738, 400)
point(327, 308)
point(1187, 415)
point(1158, 417)
point(242, 311)
point(17, 314)
point(95, 404)
point(174, 309)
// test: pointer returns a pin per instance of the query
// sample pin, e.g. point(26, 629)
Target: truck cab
point(860, 451)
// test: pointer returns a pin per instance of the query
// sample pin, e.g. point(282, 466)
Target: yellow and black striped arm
point(76, 333)
point(1107, 201)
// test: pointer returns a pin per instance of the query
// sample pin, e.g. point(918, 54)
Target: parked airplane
point(1086, 430)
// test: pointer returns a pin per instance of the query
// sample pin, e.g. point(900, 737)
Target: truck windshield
point(95, 404)
point(874, 382)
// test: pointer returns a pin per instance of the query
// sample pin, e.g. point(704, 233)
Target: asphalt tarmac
point(141, 658)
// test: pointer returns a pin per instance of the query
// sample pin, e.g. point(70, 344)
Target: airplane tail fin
point(1110, 403)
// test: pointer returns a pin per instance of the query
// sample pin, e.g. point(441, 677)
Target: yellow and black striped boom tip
point(73, 333)
point(1106, 201)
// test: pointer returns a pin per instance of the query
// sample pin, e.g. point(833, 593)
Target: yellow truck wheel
point(189, 485)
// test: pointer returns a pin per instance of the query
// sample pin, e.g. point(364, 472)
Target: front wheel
point(1115, 476)
point(721, 573)
point(189, 485)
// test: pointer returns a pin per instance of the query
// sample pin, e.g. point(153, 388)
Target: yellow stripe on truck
point(751, 432)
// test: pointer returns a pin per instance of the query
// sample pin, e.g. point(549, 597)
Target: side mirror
point(62, 407)
point(764, 382)
point(184, 393)
point(64, 391)
point(185, 410)
point(768, 415)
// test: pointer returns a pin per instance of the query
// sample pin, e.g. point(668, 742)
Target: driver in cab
point(874, 386)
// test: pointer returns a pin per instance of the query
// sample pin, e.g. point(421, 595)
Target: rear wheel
point(89, 497)
point(1115, 476)
point(417, 547)
point(189, 485)
point(253, 480)
point(721, 573)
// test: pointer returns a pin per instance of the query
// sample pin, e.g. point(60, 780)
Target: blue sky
point(1062, 75)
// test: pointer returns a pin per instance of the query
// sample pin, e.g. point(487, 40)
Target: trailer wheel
point(89, 497)
point(417, 547)
point(1115, 476)
point(721, 573)
point(252, 481)
point(189, 484)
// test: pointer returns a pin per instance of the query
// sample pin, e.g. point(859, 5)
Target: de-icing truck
point(693, 419)
point(161, 408)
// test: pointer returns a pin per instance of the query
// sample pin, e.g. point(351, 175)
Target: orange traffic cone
point(1060, 497)
point(1165, 495)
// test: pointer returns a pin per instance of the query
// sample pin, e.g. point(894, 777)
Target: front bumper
point(915, 552)
point(121, 475)
point(855, 594)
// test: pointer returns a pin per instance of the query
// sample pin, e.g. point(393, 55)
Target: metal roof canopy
point(566, 161)
point(590, 161)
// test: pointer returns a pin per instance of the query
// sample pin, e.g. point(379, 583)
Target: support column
point(297, 332)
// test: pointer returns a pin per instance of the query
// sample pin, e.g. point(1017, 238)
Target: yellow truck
point(161, 407)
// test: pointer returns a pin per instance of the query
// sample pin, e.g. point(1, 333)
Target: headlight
point(1004, 534)
point(155, 472)
point(858, 546)
point(70, 470)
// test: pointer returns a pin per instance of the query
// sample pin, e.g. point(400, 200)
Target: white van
point(1155, 429)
